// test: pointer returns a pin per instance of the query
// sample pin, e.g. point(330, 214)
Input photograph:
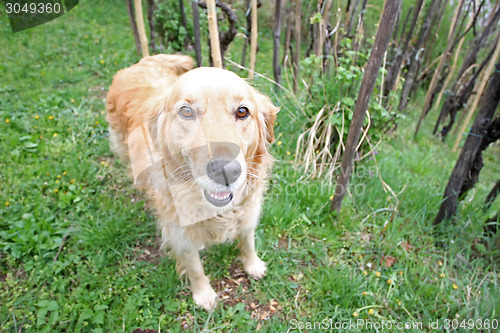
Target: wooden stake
point(437, 73)
point(214, 33)
point(481, 83)
point(384, 33)
point(141, 28)
point(322, 27)
point(253, 39)
point(276, 41)
point(296, 58)
point(131, 15)
point(471, 149)
point(196, 29)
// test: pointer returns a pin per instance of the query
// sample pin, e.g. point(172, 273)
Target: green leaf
point(54, 317)
point(98, 317)
point(44, 303)
point(100, 307)
point(40, 315)
point(86, 314)
point(348, 101)
point(30, 144)
point(52, 306)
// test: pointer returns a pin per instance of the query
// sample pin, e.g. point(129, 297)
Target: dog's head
point(214, 131)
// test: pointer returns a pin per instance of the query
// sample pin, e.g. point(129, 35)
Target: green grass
point(78, 243)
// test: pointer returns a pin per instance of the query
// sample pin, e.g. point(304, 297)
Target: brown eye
point(242, 113)
point(186, 113)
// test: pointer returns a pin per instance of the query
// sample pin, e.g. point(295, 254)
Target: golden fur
point(168, 156)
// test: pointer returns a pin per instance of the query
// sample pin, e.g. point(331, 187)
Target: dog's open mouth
point(219, 199)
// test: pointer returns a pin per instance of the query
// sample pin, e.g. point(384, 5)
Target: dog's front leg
point(190, 263)
point(252, 264)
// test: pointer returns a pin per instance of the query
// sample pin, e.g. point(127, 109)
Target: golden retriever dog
point(196, 142)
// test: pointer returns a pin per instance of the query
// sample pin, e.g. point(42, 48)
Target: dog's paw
point(256, 268)
point(205, 298)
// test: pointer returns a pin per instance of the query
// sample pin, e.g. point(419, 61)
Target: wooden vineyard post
point(214, 33)
point(276, 42)
point(384, 33)
point(196, 29)
point(141, 28)
point(470, 149)
point(296, 57)
point(437, 74)
point(253, 39)
point(131, 16)
point(479, 93)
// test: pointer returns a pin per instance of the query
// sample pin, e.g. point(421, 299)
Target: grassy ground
point(78, 244)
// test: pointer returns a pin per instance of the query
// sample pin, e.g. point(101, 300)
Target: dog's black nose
point(224, 172)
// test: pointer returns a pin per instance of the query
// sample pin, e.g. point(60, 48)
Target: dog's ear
point(266, 116)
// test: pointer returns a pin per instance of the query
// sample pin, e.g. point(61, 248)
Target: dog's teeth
point(219, 196)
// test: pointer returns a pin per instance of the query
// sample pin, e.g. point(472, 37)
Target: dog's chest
point(216, 230)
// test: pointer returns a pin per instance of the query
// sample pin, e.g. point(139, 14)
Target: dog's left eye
point(242, 113)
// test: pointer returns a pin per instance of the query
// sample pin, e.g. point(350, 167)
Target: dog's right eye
point(186, 113)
